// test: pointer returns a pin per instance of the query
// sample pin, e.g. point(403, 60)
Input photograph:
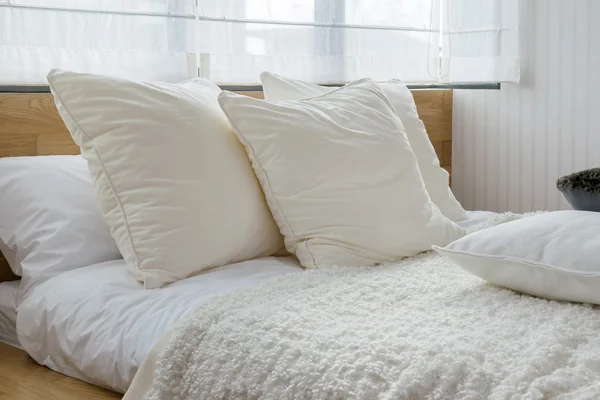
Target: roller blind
point(232, 41)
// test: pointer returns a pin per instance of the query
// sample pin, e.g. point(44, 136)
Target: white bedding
point(97, 323)
point(422, 328)
point(8, 312)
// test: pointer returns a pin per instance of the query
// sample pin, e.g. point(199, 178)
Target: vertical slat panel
point(503, 153)
point(515, 143)
point(526, 137)
point(555, 85)
point(492, 132)
point(480, 143)
point(568, 97)
point(458, 146)
point(540, 86)
point(467, 158)
point(593, 136)
point(581, 65)
point(513, 148)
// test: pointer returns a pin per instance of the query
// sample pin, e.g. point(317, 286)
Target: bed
point(421, 327)
point(81, 323)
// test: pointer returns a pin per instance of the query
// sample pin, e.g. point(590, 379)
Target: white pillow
point(50, 220)
point(552, 255)
point(339, 176)
point(435, 177)
point(174, 183)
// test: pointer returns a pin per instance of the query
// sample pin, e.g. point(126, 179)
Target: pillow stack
point(189, 177)
point(339, 176)
point(436, 178)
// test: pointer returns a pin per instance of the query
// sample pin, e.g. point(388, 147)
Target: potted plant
point(581, 189)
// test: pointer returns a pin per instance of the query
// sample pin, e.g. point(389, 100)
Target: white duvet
point(97, 324)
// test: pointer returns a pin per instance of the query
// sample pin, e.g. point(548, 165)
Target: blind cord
point(441, 47)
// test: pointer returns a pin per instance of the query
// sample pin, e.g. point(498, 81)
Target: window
point(232, 41)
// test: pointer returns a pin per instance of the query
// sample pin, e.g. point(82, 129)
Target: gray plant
point(587, 181)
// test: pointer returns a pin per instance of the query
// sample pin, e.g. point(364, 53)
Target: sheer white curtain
point(482, 41)
point(131, 39)
point(232, 41)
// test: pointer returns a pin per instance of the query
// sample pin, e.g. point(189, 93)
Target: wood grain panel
point(13, 145)
point(435, 109)
point(29, 114)
point(26, 119)
point(30, 125)
point(446, 158)
point(48, 145)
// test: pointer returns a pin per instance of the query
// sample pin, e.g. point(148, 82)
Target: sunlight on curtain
point(287, 41)
point(233, 41)
point(120, 38)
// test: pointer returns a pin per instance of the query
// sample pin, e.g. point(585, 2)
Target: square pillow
point(339, 176)
point(173, 182)
point(435, 177)
point(50, 220)
point(552, 255)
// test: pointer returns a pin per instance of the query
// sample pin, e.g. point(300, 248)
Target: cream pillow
point(339, 176)
point(174, 183)
point(552, 255)
point(435, 177)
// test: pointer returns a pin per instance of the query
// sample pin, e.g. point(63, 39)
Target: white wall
point(510, 146)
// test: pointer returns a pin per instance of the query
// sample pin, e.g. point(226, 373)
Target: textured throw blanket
point(419, 329)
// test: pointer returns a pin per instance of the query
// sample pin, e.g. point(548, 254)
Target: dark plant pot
point(582, 189)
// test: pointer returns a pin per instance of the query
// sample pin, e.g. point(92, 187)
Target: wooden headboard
point(30, 126)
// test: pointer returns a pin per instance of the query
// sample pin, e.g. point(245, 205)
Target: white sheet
point(8, 312)
point(97, 324)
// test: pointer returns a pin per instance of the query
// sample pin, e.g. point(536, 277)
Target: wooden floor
point(21, 378)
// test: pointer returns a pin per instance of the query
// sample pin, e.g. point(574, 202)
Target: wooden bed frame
point(31, 126)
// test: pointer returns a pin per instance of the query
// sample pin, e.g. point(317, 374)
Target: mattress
point(98, 324)
point(8, 312)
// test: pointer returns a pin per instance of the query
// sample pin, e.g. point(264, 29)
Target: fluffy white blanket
point(419, 329)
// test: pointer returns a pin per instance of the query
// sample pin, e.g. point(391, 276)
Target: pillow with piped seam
point(50, 219)
point(436, 178)
point(339, 176)
point(552, 255)
point(172, 180)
